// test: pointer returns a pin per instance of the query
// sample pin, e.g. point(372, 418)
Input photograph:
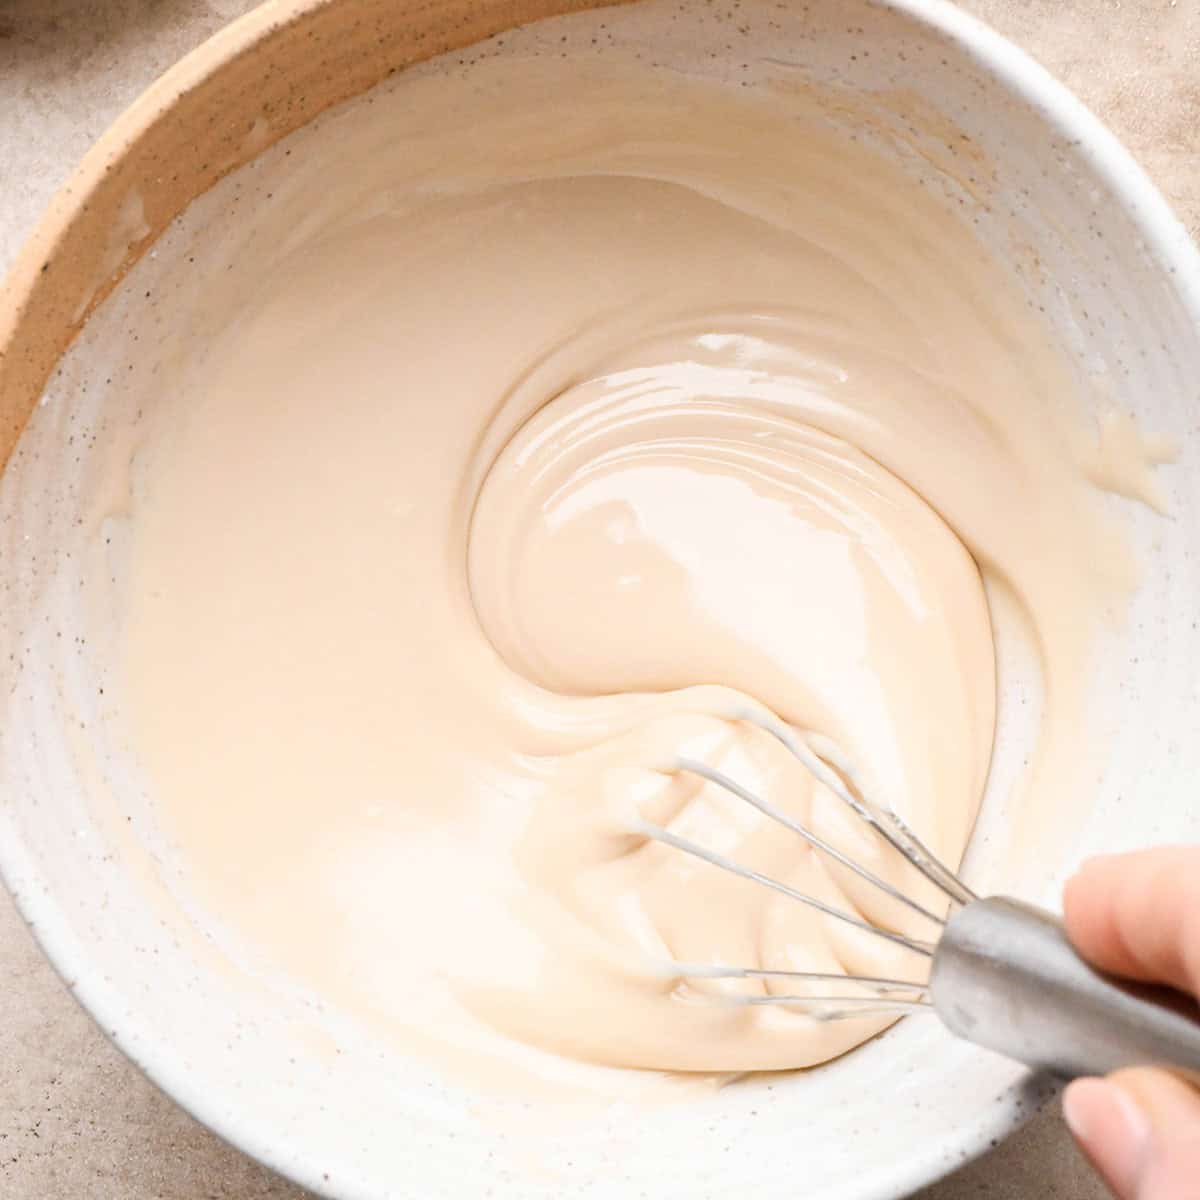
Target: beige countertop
point(77, 1121)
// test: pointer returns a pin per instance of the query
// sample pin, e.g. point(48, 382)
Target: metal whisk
point(1001, 973)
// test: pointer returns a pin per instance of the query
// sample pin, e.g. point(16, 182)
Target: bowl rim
point(1164, 235)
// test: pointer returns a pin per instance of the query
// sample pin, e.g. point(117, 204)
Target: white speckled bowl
point(1086, 235)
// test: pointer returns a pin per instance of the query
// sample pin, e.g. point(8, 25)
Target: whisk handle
point(1005, 977)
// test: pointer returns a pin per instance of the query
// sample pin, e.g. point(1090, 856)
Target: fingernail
point(1111, 1129)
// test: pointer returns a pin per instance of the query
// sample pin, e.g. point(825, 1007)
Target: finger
point(1111, 1130)
point(1138, 915)
point(1141, 1131)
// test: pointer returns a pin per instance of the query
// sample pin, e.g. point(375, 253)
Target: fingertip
point(1077, 1108)
point(1094, 863)
point(1085, 879)
point(1071, 894)
point(1087, 913)
point(1111, 1129)
point(1092, 874)
point(1170, 1165)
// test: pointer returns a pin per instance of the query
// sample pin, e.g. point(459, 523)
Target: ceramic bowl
point(99, 296)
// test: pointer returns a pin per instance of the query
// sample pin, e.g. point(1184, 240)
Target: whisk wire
point(667, 837)
point(870, 996)
point(835, 1008)
point(818, 843)
point(872, 983)
point(885, 997)
point(884, 821)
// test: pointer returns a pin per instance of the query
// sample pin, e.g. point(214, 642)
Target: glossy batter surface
point(522, 454)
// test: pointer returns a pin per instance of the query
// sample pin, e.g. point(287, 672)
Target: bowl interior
point(1115, 283)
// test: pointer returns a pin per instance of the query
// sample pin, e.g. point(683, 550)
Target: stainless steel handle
point(1005, 976)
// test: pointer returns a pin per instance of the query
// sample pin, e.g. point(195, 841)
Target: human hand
point(1138, 915)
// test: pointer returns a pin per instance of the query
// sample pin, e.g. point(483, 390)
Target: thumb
point(1141, 1130)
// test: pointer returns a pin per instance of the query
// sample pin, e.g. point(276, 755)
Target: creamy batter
point(522, 453)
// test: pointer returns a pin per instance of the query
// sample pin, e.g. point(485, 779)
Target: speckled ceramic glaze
point(99, 301)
